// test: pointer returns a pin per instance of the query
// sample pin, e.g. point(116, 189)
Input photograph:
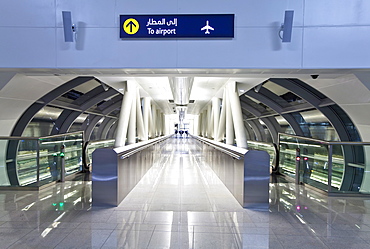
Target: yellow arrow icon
point(131, 26)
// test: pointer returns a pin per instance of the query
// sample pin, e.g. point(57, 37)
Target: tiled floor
point(174, 207)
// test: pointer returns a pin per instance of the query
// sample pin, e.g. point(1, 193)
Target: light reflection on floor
point(174, 207)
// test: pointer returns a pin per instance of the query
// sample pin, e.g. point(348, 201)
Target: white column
point(131, 133)
point(209, 121)
point(151, 123)
point(154, 120)
point(216, 115)
point(163, 123)
point(204, 125)
point(222, 122)
point(159, 122)
point(146, 116)
point(236, 110)
point(211, 124)
point(229, 121)
point(124, 119)
point(143, 136)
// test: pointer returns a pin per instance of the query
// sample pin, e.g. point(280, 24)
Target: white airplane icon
point(207, 28)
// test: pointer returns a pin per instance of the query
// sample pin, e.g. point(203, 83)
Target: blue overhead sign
point(177, 26)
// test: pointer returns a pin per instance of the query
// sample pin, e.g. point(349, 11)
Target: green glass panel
point(27, 162)
point(312, 162)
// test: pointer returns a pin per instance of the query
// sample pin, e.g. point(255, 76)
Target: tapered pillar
point(200, 124)
point(236, 110)
point(131, 133)
point(209, 121)
point(204, 126)
point(143, 136)
point(146, 116)
point(229, 121)
point(216, 102)
point(222, 122)
point(154, 120)
point(124, 118)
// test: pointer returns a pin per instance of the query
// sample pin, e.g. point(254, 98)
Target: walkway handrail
point(233, 151)
point(129, 150)
point(37, 138)
point(325, 142)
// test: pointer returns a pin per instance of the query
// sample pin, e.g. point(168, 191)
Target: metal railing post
point(38, 163)
point(63, 164)
point(297, 165)
point(330, 166)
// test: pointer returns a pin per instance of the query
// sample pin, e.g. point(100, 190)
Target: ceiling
point(155, 82)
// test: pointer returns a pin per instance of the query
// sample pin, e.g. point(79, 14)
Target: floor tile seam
point(151, 237)
point(339, 237)
point(21, 238)
point(317, 239)
point(66, 235)
point(236, 233)
point(326, 243)
point(278, 241)
point(102, 245)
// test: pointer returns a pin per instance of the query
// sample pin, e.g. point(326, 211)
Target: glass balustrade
point(92, 145)
point(268, 147)
point(26, 161)
point(335, 167)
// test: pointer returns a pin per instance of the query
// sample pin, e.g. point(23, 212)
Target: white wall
point(326, 34)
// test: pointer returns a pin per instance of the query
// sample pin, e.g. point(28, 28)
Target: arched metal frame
point(336, 117)
point(112, 131)
point(273, 127)
point(83, 103)
point(258, 129)
point(26, 118)
point(270, 124)
point(89, 130)
point(109, 106)
point(314, 100)
point(104, 128)
point(68, 116)
point(249, 130)
point(281, 107)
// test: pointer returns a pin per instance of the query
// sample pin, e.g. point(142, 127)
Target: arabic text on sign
point(152, 22)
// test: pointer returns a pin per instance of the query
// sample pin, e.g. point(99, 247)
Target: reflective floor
point(175, 207)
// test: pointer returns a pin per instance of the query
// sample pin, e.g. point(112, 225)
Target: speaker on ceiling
point(287, 26)
point(68, 26)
